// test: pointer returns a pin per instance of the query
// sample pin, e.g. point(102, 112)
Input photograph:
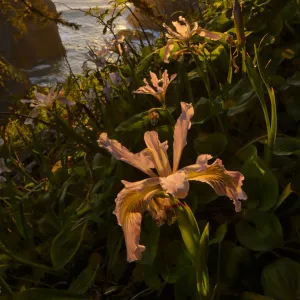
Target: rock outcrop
point(40, 42)
point(152, 12)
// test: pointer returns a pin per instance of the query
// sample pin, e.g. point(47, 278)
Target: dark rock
point(14, 84)
point(40, 42)
point(151, 13)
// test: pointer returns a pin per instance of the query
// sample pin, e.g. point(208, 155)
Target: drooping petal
point(1, 142)
point(169, 47)
point(208, 34)
point(182, 29)
point(3, 167)
point(182, 126)
point(171, 34)
point(32, 115)
point(176, 184)
point(225, 183)
point(131, 202)
point(158, 152)
point(139, 161)
point(25, 101)
point(146, 89)
point(65, 101)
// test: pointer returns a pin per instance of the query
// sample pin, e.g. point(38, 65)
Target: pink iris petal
point(119, 152)
point(224, 183)
point(182, 126)
point(176, 184)
point(131, 203)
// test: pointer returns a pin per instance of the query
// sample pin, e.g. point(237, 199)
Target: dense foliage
point(59, 238)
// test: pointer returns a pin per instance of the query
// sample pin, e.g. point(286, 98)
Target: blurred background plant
point(59, 238)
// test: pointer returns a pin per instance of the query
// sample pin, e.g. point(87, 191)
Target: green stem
point(215, 115)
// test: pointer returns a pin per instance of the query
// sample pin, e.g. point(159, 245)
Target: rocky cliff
point(39, 42)
point(152, 12)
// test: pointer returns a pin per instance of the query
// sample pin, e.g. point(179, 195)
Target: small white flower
point(43, 101)
point(159, 88)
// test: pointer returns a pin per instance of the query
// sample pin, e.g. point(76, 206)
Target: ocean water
point(75, 42)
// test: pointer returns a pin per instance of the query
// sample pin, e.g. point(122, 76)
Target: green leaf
point(202, 111)
point(175, 262)
point(257, 85)
point(213, 144)
point(46, 294)
point(286, 192)
point(66, 243)
point(237, 256)
point(86, 278)
point(259, 231)
point(220, 234)
point(142, 120)
point(189, 230)
point(201, 266)
point(287, 146)
point(149, 238)
point(281, 279)
point(260, 184)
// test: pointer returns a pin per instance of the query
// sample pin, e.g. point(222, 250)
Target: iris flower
point(42, 101)
point(159, 88)
point(113, 80)
point(183, 33)
point(3, 168)
point(138, 197)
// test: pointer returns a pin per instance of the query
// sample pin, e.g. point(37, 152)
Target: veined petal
point(159, 153)
point(182, 126)
point(139, 161)
point(131, 202)
point(208, 34)
point(225, 183)
point(168, 49)
point(146, 89)
point(154, 79)
point(176, 184)
point(32, 115)
point(171, 34)
point(3, 167)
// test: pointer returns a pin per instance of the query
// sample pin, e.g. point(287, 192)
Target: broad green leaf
point(46, 294)
point(66, 243)
point(220, 234)
point(86, 278)
point(281, 279)
point(237, 257)
point(259, 231)
point(287, 146)
point(260, 185)
point(202, 111)
point(213, 144)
